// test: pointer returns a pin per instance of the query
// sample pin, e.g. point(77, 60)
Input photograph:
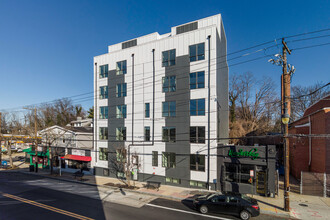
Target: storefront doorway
point(261, 180)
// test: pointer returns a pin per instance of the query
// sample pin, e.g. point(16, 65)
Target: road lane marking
point(61, 211)
point(192, 213)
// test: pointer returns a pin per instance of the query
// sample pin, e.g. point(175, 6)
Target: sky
point(47, 47)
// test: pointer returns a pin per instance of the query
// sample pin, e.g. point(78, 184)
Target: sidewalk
point(302, 206)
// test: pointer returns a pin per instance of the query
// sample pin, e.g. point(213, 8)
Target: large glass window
point(104, 112)
point(197, 134)
point(146, 133)
point(103, 154)
point(103, 92)
point(197, 184)
point(121, 134)
point(103, 135)
point(168, 58)
point(121, 90)
point(121, 67)
point(168, 159)
point(197, 162)
point(147, 110)
point(169, 84)
point(196, 52)
point(104, 71)
point(169, 134)
point(197, 80)
point(121, 155)
point(155, 158)
point(239, 173)
point(169, 109)
point(197, 107)
point(121, 111)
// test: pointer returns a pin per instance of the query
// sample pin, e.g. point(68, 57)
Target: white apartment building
point(164, 98)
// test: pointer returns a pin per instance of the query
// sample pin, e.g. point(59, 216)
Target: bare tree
point(251, 103)
point(305, 96)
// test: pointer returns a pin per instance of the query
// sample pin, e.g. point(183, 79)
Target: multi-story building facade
point(164, 98)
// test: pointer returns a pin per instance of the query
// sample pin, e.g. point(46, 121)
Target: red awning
point(76, 157)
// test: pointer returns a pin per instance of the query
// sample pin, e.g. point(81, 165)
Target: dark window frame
point(104, 92)
point(195, 53)
point(169, 112)
point(146, 133)
point(170, 161)
point(121, 67)
point(169, 134)
point(167, 84)
point(104, 70)
point(121, 111)
point(199, 136)
point(196, 162)
point(167, 58)
point(103, 133)
point(121, 90)
point(155, 158)
point(103, 154)
point(121, 134)
point(199, 111)
point(194, 81)
point(147, 110)
point(104, 111)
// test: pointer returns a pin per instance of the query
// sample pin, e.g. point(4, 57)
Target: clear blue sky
point(47, 47)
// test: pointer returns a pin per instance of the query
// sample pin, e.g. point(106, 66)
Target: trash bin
point(31, 168)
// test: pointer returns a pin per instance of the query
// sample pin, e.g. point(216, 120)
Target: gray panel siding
point(114, 122)
point(182, 120)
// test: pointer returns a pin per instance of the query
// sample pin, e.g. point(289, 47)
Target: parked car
point(228, 203)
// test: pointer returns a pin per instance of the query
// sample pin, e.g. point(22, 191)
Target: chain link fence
point(315, 184)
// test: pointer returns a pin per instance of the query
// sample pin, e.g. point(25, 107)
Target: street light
point(285, 118)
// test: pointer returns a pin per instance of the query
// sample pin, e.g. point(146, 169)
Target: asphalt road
point(20, 200)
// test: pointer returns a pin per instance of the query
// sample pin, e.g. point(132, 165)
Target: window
point(169, 84)
point(121, 134)
point(121, 175)
point(121, 90)
point(103, 133)
point(239, 173)
point(168, 159)
point(197, 162)
point(105, 172)
point(197, 134)
point(121, 155)
point(147, 110)
point(197, 184)
point(197, 80)
point(103, 92)
point(168, 58)
point(146, 133)
point(155, 158)
point(168, 134)
point(172, 180)
point(104, 71)
point(121, 67)
point(103, 154)
point(121, 111)
point(197, 107)
point(196, 52)
point(169, 109)
point(104, 112)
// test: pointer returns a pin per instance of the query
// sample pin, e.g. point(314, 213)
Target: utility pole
point(285, 111)
point(286, 114)
point(35, 136)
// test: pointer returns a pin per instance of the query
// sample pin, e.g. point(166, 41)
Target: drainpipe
point(310, 141)
point(208, 115)
point(95, 116)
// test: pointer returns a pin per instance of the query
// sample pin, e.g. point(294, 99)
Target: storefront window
point(238, 173)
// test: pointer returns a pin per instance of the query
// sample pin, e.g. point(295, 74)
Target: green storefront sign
point(241, 153)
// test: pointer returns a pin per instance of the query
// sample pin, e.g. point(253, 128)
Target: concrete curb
point(134, 191)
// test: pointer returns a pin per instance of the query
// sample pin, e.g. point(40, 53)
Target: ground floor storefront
point(40, 157)
point(71, 159)
point(247, 169)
